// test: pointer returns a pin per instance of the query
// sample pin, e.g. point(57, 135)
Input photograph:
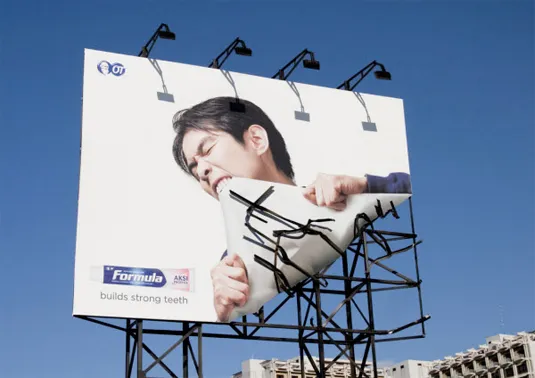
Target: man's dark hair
point(216, 114)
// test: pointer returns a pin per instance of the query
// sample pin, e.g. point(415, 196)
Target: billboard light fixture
point(243, 51)
point(237, 106)
point(163, 32)
point(380, 74)
point(238, 46)
point(310, 63)
point(166, 34)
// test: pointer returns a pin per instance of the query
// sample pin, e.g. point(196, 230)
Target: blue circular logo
point(106, 68)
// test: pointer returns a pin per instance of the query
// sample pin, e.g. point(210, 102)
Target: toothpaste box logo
point(182, 280)
point(178, 279)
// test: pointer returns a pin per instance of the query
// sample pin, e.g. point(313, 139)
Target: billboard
point(205, 193)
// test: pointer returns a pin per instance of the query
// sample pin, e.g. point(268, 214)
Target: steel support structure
point(345, 326)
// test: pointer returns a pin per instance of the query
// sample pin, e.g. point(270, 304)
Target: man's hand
point(231, 286)
point(332, 191)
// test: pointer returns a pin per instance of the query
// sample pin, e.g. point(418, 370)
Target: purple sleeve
point(396, 182)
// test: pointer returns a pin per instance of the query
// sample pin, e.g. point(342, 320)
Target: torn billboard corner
point(284, 239)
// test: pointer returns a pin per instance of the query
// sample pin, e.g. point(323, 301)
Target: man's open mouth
point(221, 183)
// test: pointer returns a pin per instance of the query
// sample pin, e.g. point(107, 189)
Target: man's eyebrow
point(200, 147)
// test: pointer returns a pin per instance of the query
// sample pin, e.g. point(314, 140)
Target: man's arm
point(332, 190)
point(397, 182)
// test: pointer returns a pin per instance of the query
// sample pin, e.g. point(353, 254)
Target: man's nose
point(203, 169)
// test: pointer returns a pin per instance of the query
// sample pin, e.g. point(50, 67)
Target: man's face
point(214, 157)
point(105, 68)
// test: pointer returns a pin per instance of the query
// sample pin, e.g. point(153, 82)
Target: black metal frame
point(361, 75)
point(325, 330)
point(281, 75)
point(238, 46)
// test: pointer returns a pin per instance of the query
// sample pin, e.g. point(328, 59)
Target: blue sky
point(465, 70)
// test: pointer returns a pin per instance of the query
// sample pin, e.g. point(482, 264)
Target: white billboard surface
point(174, 155)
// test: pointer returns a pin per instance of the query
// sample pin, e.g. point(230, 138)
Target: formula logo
point(106, 68)
point(122, 275)
point(177, 279)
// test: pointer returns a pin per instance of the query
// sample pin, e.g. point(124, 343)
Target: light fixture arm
point(361, 75)
point(230, 48)
point(145, 50)
point(295, 62)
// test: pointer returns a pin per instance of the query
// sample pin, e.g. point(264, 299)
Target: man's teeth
point(222, 184)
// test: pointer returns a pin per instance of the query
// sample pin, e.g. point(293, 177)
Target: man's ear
point(256, 137)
